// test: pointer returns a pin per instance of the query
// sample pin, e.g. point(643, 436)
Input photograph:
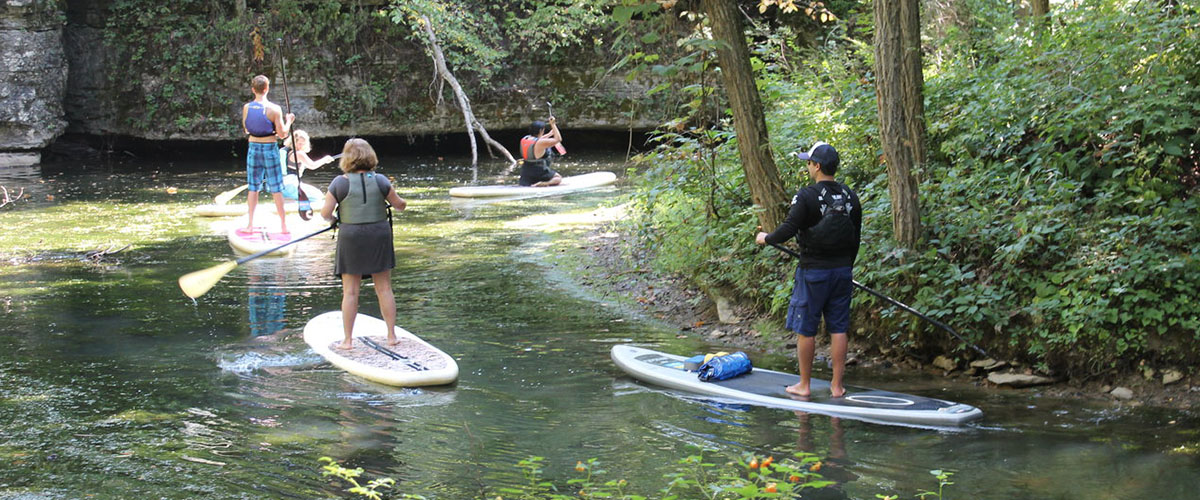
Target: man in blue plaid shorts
point(264, 123)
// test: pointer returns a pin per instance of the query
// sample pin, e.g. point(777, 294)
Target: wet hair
point(358, 156)
point(290, 141)
point(537, 127)
point(259, 84)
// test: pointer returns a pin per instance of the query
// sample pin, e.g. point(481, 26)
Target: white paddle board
point(766, 388)
point(411, 362)
point(260, 238)
point(568, 184)
point(266, 203)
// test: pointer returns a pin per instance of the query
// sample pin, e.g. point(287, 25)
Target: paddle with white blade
point(224, 198)
point(197, 283)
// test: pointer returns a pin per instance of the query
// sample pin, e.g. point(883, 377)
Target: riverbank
point(601, 256)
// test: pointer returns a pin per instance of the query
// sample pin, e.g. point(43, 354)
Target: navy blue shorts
point(820, 292)
point(263, 168)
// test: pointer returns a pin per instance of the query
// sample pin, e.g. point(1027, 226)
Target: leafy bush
point(1058, 200)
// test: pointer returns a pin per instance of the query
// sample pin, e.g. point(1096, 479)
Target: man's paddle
point(557, 147)
point(197, 283)
point(896, 303)
point(224, 198)
point(305, 206)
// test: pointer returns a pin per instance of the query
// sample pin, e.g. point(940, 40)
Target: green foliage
point(694, 476)
point(370, 490)
point(1058, 201)
point(190, 62)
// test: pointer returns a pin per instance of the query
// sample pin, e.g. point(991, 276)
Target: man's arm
point(790, 225)
point(245, 109)
point(283, 125)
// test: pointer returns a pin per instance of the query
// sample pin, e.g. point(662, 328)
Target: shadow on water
point(115, 384)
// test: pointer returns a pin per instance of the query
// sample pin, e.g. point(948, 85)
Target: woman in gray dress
point(361, 199)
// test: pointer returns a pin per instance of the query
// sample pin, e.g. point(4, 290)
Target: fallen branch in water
point(201, 460)
point(100, 255)
point(7, 200)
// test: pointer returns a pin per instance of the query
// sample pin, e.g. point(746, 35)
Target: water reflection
point(266, 306)
point(110, 376)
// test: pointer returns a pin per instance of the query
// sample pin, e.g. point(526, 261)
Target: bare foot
point(837, 392)
point(392, 340)
point(803, 392)
point(345, 346)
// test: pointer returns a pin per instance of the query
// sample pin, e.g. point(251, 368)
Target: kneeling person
point(536, 171)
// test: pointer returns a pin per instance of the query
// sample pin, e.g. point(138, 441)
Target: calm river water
point(115, 385)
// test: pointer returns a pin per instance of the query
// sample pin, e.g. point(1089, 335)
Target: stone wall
point(33, 78)
point(93, 108)
point(40, 99)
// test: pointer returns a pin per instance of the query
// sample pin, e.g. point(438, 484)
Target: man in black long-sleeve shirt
point(826, 219)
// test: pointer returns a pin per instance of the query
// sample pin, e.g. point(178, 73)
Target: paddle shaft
point(287, 102)
point(305, 208)
point(251, 257)
point(897, 303)
point(557, 147)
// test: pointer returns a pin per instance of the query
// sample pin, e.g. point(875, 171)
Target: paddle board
point(265, 203)
point(766, 388)
point(260, 238)
point(568, 184)
point(411, 362)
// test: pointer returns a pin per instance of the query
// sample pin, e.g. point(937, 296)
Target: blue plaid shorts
point(262, 167)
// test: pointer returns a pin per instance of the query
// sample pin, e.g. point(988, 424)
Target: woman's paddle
point(897, 304)
point(557, 147)
point(195, 284)
point(305, 205)
point(224, 198)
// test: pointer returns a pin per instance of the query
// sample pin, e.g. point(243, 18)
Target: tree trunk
point(439, 61)
point(762, 177)
point(1041, 9)
point(898, 83)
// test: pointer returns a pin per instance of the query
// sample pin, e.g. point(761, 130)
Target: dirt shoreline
point(606, 261)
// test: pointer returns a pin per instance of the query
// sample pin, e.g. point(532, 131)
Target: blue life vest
point(257, 123)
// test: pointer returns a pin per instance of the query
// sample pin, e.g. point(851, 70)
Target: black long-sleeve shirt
point(804, 213)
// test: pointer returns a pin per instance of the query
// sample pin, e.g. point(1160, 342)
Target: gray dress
point(363, 249)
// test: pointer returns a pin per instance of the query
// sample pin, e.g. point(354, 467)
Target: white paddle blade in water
point(224, 198)
point(198, 283)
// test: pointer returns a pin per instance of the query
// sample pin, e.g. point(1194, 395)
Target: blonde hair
point(290, 142)
point(358, 156)
point(259, 84)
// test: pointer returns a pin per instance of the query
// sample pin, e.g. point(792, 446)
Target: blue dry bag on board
point(725, 367)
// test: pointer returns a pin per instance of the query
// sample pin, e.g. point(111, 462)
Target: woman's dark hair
point(537, 127)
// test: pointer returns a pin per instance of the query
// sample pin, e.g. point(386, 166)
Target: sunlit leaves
point(814, 9)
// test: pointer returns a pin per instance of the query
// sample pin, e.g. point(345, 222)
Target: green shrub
point(1058, 201)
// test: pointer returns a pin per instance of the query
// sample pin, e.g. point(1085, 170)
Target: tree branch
point(439, 61)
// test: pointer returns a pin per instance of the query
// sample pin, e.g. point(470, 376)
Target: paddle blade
point(195, 284)
point(561, 150)
point(224, 198)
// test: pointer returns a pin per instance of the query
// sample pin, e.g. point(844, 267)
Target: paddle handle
point(897, 303)
point(251, 257)
point(557, 147)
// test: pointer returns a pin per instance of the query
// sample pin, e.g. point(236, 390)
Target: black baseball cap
point(822, 153)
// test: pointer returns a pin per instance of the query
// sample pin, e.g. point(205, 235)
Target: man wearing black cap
point(826, 219)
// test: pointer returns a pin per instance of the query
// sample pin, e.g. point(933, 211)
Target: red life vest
point(527, 144)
